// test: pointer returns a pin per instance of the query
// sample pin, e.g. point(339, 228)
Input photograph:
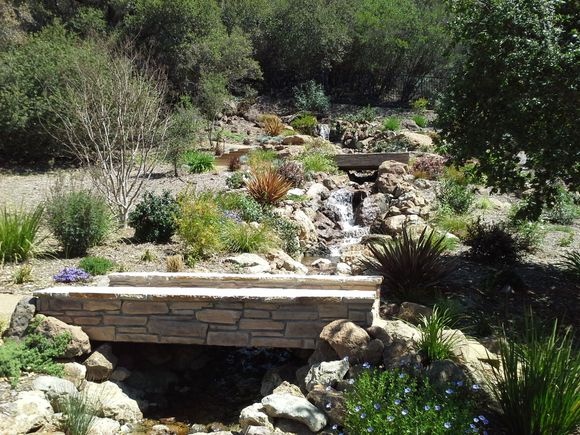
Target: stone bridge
point(258, 310)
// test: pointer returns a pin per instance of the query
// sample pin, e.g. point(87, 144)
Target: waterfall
point(340, 201)
point(323, 131)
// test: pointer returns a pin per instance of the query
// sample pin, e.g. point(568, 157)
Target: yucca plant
point(268, 187)
point(410, 265)
point(273, 125)
point(571, 263)
point(538, 383)
point(434, 344)
point(19, 233)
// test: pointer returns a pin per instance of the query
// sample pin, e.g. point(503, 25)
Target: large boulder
point(371, 208)
point(112, 402)
point(280, 260)
point(330, 401)
point(294, 408)
point(101, 363)
point(296, 139)
point(306, 228)
point(104, 426)
point(56, 390)
point(413, 313)
point(255, 415)
point(252, 263)
point(28, 413)
point(442, 372)
point(399, 340)
point(350, 340)
point(21, 317)
point(391, 178)
point(51, 327)
point(414, 141)
point(326, 373)
point(74, 372)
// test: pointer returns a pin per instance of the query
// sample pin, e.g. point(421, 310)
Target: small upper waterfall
point(340, 202)
point(323, 131)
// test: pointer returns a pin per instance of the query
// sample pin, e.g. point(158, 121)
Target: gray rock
point(294, 408)
point(104, 426)
point(413, 313)
point(288, 388)
point(29, 412)
point(258, 430)
point(160, 429)
point(330, 401)
point(101, 363)
point(326, 373)
point(112, 402)
point(75, 372)
point(55, 389)
point(255, 415)
point(346, 338)
point(21, 317)
point(79, 344)
point(442, 372)
point(251, 262)
point(120, 374)
point(322, 352)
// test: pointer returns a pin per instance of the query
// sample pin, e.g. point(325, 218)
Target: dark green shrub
point(287, 232)
point(410, 265)
point(247, 207)
point(79, 220)
point(19, 234)
point(365, 114)
point(455, 196)
point(236, 181)
point(563, 210)
point(198, 161)
point(393, 402)
point(537, 384)
point(494, 243)
point(154, 217)
point(96, 265)
point(305, 123)
point(36, 354)
point(310, 96)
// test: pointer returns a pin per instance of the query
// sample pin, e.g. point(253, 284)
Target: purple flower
point(366, 365)
point(437, 408)
point(447, 425)
point(405, 411)
point(397, 402)
point(235, 216)
point(407, 390)
point(448, 391)
point(351, 381)
point(377, 406)
point(475, 387)
point(401, 376)
point(426, 407)
point(334, 426)
point(390, 418)
point(328, 405)
point(357, 408)
point(71, 274)
point(369, 429)
point(459, 383)
point(363, 415)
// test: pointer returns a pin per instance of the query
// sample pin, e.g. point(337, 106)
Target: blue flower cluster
point(71, 274)
point(233, 215)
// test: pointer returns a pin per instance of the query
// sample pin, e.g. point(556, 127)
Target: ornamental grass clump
point(79, 413)
point(268, 187)
point(571, 263)
point(273, 125)
point(538, 383)
point(243, 237)
point(437, 339)
point(410, 265)
point(394, 402)
point(19, 234)
point(96, 265)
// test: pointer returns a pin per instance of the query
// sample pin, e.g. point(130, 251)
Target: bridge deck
point(236, 310)
point(367, 161)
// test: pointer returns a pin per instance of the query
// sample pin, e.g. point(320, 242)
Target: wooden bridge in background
point(367, 161)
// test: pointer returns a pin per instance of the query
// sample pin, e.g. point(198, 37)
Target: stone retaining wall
point(258, 317)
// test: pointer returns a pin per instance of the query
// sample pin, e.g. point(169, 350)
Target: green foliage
point(198, 162)
point(364, 114)
point(420, 104)
point(184, 132)
point(88, 21)
point(247, 207)
point(287, 231)
point(199, 224)
point(510, 93)
point(260, 159)
point(563, 209)
point(79, 412)
point(23, 274)
point(34, 75)
point(292, 171)
point(392, 123)
point(148, 256)
point(537, 384)
point(305, 123)
point(420, 120)
point(315, 161)
point(455, 196)
point(436, 344)
point(96, 265)
point(36, 354)
point(154, 217)
point(19, 233)
point(237, 180)
point(495, 242)
point(451, 222)
point(310, 97)
point(243, 237)
point(571, 263)
point(79, 220)
point(410, 265)
point(393, 402)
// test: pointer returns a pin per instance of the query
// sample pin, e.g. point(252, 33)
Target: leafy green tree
point(211, 97)
point(513, 102)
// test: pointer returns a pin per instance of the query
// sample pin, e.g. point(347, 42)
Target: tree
point(183, 133)
point(211, 97)
point(513, 103)
point(116, 125)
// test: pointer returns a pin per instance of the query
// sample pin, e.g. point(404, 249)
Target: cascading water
point(341, 203)
point(323, 131)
